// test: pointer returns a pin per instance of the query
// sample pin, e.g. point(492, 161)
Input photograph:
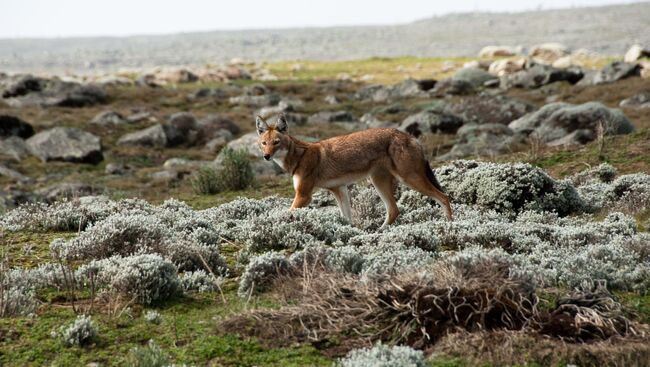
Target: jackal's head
point(272, 138)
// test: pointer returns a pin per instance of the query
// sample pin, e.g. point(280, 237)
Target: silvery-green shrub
point(81, 332)
point(153, 317)
point(199, 281)
point(281, 229)
point(149, 356)
point(261, 271)
point(145, 278)
point(383, 356)
point(507, 187)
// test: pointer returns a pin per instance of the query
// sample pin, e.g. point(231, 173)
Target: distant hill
point(608, 30)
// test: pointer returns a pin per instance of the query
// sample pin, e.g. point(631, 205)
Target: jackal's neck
point(295, 151)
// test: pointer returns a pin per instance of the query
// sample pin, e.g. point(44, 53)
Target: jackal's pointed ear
point(281, 125)
point(261, 125)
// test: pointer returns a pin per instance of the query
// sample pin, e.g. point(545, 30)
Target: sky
point(72, 18)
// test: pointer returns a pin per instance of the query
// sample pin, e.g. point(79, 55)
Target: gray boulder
point(477, 77)
point(611, 73)
point(331, 99)
point(539, 75)
point(255, 100)
point(635, 53)
point(430, 122)
point(213, 123)
point(557, 120)
point(373, 122)
point(27, 90)
point(13, 174)
point(219, 140)
point(181, 128)
point(487, 109)
point(325, 117)
point(13, 126)
point(14, 147)
point(117, 168)
point(483, 140)
point(641, 100)
point(108, 118)
point(140, 117)
point(66, 144)
point(247, 142)
point(453, 87)
point(68, 190)
point(408, 88)
point(153, 136)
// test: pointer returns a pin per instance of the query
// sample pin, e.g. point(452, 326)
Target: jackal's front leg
point(303, 194)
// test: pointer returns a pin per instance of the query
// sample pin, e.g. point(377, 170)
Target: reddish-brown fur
point(383, 155)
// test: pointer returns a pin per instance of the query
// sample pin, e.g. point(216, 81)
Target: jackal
point(383, 155)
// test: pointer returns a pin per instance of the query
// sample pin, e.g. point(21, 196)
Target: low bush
point(207, 181)
point(199, 281)
point(153, 317)
point(235, 173)
point(81, 332)
point(143, 278)
point(149, 356)
point(508, 187)
point(384, 356)
point(261, 271)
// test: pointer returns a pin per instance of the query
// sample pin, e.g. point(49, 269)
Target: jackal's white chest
point(279, 157)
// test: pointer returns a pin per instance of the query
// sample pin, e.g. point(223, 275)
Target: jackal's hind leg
point(421, 183)
point(342, 197)
point(384, 183)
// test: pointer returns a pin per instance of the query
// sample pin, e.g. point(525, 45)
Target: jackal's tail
point(432, 177)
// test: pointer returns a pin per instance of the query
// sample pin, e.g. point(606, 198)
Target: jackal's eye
point(276, 142)
point(263, 143)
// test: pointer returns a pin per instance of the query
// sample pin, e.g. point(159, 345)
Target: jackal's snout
point(267, 157)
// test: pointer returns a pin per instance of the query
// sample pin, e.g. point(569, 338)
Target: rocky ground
point(554, 207)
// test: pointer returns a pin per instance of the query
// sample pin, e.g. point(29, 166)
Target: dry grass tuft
point(432, 310)
point(517, 348)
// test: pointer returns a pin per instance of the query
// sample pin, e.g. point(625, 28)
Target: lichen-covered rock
point(483, 140)
point(325, 117)
point(153, 136)
point(539, 75)
point(641, 100)
point(475, 76)
point(548, 52)
point(27, 90)
point(499, 51)
point(66, 144)
point(428, 122)
point(108, 118)
point(14, 147)
point(611, 73)
point(635, 53)
point(486, 109)
point(557, 120)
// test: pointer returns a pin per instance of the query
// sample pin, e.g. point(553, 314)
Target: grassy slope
point(187, 332)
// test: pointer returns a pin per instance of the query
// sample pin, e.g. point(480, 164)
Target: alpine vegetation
point(508, 187)
point(81, 332)
point(517, 234)
point(145, 278)
point(153, 317)
point(383, 356)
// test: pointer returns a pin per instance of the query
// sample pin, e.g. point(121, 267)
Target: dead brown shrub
point(423, 310)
